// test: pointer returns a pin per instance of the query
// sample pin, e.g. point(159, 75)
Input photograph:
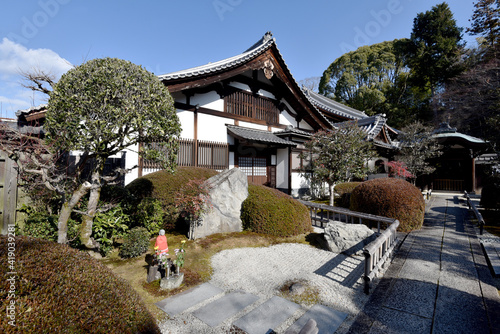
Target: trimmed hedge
point(393, 198)
point(270, 211)
point(490, 196)
point(344, 190)
point(61, 290)
point(163, 186)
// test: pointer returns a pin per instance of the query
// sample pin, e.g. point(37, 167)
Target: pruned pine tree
point(335, 156)
point(99, 109)
point(417, 147)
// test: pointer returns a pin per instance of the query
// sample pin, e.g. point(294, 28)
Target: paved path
point(439, 281)
point(246, 312)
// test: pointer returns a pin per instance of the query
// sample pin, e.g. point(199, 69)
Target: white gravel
point(263, 271)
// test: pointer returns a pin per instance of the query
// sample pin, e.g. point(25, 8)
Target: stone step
point(267, 316)
point(225, 307)
point(327, 319)
point(264, 318)
point(187, 299)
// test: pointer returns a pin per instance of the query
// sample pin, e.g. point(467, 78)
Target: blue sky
point(170, 35)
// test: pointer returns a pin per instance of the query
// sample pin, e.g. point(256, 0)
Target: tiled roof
point(372, 126)
point(446, 131)
point(257, 135)
point(40, 107)
point(263, 44)
point(332, 106)
point(293, 131)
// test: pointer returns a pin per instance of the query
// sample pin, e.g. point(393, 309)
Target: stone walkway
point(439, 281)
point(254, 316)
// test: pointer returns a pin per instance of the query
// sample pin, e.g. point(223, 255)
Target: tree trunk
point(88, 218)
point(331, 187)
point(67, 208)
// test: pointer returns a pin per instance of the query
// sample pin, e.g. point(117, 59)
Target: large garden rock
point(228, 191)
point(347, 238)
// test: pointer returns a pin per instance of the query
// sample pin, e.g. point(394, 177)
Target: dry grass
point(197, 267)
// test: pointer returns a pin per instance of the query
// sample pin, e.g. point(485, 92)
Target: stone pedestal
point(172, 282)
point(153, 273)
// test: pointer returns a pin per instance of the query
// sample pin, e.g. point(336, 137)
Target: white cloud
point(16, 58)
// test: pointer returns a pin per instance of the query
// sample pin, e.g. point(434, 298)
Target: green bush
point(136, 243)
point(44, 226)
point(149, 215)
point(109, 226)
point(163, 186)
point(393, 198)
point(270, 211)
point(344, 190)
point(490, 196)
point(62, 290)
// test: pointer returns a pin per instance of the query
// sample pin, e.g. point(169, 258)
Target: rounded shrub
point(163, 186)
point(61, 290)
point(490, 196)
point(344, 190)
point(393, 198)
point(270, 211)
point(136, 243)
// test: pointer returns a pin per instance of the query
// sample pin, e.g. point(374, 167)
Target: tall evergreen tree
point(435, 48)
point(485, 21)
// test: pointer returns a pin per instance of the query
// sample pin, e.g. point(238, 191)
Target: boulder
point(228, 191)
point(347, 238)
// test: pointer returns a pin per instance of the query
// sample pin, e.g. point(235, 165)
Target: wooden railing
point(378, 251)
point(246, 104)
point(478, 214)
point(197, 153)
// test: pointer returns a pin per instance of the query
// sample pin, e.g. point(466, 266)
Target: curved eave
point(333, 107)
point(461, 139)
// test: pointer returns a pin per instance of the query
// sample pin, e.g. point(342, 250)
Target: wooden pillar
point(473, 174)
point(141, 162)
point(195, 137)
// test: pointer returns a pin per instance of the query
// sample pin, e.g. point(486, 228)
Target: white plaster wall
point(288, 106)
point(287, 119)
point(267, 94)
point(186, 118)
point(304, 125)
point(210, 100)
point(298, 182)
point(179, 97)
point(212, 128)
point(231, 160)
point(253, 126)
point(131, 160)
point(282, 168)
point(240, 85)
point(371, 163)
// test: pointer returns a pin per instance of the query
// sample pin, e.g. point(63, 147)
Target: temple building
point(248, 111)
